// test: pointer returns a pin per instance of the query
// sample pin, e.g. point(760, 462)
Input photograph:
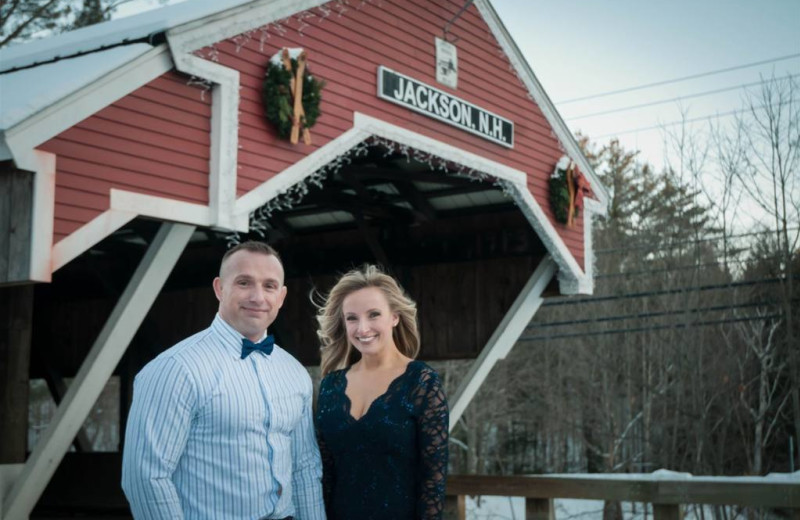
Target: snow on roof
point(27, 91)
point(36, 74)
point(129, 29)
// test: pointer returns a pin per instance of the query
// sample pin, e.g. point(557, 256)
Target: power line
point(676, 99)
point(690, 242)
point(647, 315)
point(652, 328)
point(676, 80)
point(679, 290)
point(684, 121)
point(677, 268)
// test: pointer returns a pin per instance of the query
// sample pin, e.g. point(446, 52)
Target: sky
point(583, 48)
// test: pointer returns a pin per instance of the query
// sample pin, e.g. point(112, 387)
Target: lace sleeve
point(328, 472)
point(432, 431)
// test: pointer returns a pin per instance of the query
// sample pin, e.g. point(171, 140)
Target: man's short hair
point(253, 246)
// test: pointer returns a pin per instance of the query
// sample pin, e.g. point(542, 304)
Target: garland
point(282, 108)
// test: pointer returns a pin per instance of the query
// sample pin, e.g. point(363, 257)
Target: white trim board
point(571, 276)
point(44, 196)
point(127, 205)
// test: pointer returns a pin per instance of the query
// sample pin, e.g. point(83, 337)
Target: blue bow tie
point(264, 346)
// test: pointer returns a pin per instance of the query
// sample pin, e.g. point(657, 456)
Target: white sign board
point(446, 63)
point(438, 104)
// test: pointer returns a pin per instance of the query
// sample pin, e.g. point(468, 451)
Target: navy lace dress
point(392, 462)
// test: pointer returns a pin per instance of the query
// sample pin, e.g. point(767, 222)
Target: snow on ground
point(513, 508)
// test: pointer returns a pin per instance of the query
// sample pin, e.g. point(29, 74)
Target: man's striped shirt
point(211, 435)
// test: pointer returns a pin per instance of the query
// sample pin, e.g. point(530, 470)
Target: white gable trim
point(542, 99)
point(44, 196)
point(295, 173)
point(74, 244)
point(22, 138)
point(573, 279)
point(238, 20)
point(186, 39)
point(224, 136)
point(127, 205)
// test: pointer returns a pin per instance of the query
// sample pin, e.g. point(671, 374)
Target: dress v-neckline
point(349, 403)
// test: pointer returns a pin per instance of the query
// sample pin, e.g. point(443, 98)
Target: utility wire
point(684, 121)
point(690, 242)
point(676, 80)
point(654, 314)
point(676, 99)
point(676, 268)
point(524, 339)
point(679, 290)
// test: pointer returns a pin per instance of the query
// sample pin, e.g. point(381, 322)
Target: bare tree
point(772, 179)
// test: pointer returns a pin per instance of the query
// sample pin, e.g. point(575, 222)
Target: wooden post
point(16, 317)
point(539, 509)
point(667, 512)
point(16, 225)
point(455, 507)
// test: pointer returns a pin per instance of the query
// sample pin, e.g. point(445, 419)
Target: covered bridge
point(134, 152)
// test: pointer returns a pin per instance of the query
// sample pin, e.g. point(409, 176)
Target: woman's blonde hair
point(336, 351)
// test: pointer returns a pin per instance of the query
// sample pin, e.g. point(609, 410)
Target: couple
point(221, 424)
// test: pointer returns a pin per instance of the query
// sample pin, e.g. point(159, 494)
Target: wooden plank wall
point(460, 305)
point(155, 140)
point(345, 50)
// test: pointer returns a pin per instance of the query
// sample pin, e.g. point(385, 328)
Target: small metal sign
point(428, 100)
point(446, 63)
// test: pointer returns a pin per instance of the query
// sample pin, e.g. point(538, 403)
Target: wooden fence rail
point(666, 493)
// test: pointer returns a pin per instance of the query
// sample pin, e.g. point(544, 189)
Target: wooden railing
point(667, 494)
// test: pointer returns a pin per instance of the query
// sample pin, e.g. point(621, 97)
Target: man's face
point(250, 291)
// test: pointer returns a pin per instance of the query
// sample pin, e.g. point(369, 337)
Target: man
point(221, 423)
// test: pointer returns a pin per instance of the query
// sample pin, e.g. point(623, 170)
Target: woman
point(382, 416)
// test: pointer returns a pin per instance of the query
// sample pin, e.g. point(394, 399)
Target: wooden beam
point(122, 324)
point(391, 174)
point(374, 209)
point(416, 198)
point(58, 389)
point(372, 242)
point(16, 225)
point(504, 337)
point(16, 321)
point(8, 474)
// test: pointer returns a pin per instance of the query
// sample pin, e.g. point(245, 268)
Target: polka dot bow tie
point(264, 346)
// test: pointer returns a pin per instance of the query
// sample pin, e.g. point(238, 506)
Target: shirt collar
point(230, 337)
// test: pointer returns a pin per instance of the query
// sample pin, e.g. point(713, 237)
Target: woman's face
point(369, 321)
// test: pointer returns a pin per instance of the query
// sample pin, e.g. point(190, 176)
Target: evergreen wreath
point(559, 191)
point(277, 97)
